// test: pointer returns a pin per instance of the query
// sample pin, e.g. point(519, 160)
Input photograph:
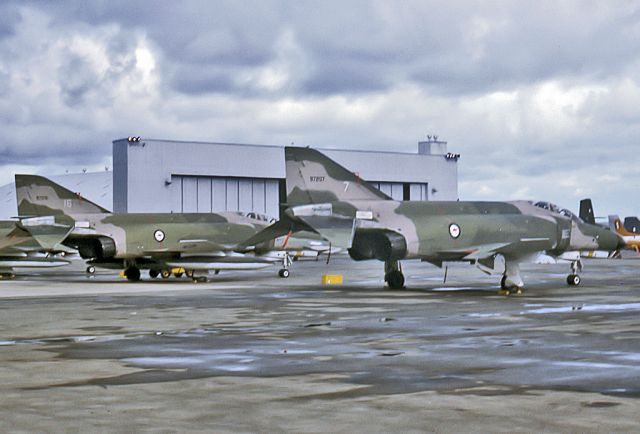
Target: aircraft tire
point(91, 269)
point(153, 273)
point(165, 274)
point(132, 274)
point(395, 279)
point(284, 273)
point(573, 280)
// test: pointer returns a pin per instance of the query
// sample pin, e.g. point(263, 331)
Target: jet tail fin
point(38, 196)
point(586, 211)
point(616, 225)
point(312, 177)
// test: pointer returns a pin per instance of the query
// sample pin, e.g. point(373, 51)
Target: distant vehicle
point(327, 198)
point(163, 243)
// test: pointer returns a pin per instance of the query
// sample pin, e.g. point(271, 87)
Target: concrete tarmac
point(251, 352)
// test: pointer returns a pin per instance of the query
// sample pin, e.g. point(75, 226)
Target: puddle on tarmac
point(586, 308)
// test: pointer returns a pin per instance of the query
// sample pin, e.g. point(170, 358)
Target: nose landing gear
point(573, 279)
point(286, 263)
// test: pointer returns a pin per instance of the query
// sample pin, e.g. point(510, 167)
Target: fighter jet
point(31, 243)
point(325, 197)
point(160, 242)
point(631, 239)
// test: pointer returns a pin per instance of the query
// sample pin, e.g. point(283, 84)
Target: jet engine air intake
point(381, 244)
point(97, 248)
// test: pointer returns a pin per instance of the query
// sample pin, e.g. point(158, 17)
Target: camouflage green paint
point(327, 197)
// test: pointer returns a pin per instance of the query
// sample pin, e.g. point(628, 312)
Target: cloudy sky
point(542, 99)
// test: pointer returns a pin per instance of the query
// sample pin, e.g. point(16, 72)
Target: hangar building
point(151, 175)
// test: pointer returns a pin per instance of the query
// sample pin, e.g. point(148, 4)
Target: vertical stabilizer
point(312, 177)
point(39, 196)
point(616, 225)
point(586, 211)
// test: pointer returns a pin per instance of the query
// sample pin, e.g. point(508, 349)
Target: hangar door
point(403, 191)
point(212, 194)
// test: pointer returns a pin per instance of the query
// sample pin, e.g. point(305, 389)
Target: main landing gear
point(393, 274)
point(9, 275)
point(132, 274)
point(573, 279)
point(511, 282)
point(286, 263)
point(91, 270)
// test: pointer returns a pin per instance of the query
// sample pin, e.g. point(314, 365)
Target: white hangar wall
point(152, 175)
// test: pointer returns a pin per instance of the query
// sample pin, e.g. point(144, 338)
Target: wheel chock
point(332, 279)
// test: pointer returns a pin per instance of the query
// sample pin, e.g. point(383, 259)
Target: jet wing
point(46, 232)
point(321, 218)
point(14, 238)
point(193, 246)
point(474, 253)
point(338, 230)
point(271, 232)
point(485, 251)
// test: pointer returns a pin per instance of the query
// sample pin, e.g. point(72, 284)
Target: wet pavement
point(252, 352)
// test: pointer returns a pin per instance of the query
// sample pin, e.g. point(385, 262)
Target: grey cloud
point(344, 77)
point(191, 79)
point(10, 18)
point(362, 46)
point(77, 78)
point(210, 58)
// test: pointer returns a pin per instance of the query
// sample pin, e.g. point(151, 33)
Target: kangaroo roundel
point(158, 235)
point(454, 230)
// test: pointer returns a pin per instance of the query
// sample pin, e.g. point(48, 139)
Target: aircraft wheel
point(284, 273)
point(178, 274)
point(91, 269)
point(573, 280)
point(165, 274)
point(132, 274)
point(153, 273)
point(508, 290)
point(395, 279)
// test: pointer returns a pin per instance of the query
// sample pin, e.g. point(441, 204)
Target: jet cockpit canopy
point(556, 209)
point(257, 216)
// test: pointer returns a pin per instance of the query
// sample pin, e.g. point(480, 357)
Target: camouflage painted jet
point(350, 213)
point(31, 243)
point(159, 242)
